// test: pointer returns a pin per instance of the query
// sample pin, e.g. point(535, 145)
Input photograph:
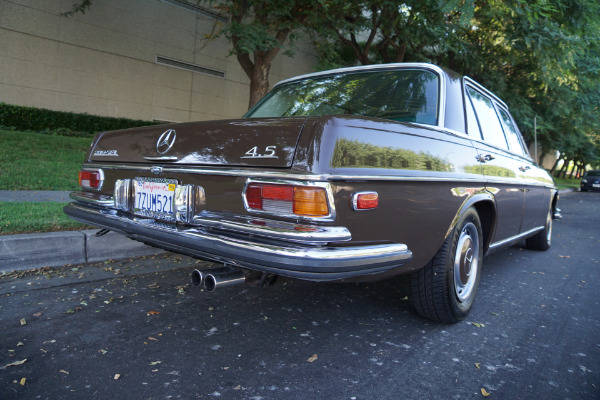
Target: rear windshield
point(407, 95)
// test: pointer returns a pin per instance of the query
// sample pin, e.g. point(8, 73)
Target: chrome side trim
point(162, 158)
point(251, 173)
point(522, 235)
point(100, 200)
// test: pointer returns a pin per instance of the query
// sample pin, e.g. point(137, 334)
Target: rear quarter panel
point(424, 177)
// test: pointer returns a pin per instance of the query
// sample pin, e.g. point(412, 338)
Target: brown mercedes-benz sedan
point(351, 174)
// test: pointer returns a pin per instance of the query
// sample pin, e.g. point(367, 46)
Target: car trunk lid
point(266, 142)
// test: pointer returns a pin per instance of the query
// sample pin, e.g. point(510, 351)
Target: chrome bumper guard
point(300, 251)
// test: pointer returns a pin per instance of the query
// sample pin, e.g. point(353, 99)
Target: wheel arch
point(486, 209)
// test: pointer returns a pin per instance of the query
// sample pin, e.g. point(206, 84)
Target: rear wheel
point(543, 239)
point(445, 289)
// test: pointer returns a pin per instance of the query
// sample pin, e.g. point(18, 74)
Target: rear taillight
point(288, 200)
point(91, 178)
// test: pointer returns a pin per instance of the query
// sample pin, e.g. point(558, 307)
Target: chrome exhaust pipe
point(197, 277)
point(221, 279)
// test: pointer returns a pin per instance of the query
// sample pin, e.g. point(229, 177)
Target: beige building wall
point(104, 61)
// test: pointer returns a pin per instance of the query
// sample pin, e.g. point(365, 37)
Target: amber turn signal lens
point(310, 202)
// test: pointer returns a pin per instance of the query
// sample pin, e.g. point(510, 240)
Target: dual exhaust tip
point(215, 278)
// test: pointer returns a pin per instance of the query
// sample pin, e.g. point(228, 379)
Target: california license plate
point(154, 197)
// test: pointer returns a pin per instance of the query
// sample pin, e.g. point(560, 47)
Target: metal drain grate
point(188, 66)
point(206, 12)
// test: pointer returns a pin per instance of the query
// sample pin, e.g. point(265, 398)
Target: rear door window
point(512, 134)
point(491, 128)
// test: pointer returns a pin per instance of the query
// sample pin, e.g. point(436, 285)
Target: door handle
point(484, 158)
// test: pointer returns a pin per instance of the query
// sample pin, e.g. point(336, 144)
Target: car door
point(500, 167)
point(537, 195)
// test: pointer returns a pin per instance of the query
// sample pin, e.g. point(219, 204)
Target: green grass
point(37, 161)
point(567, 183)
point(35, 217)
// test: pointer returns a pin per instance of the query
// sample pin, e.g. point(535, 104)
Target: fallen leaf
point(64, 372)
point(103, 351)
point(153, 312)
point(484, 392)
point(478, 365)
point(37, 314)
point(117, 376)
point(22, 383)
point(478, 325)
point(564, 256)
point(20, 344)
point(14, 364)
point(155, 362)
point(313, 358)
point(151, 338)
point(23, 321)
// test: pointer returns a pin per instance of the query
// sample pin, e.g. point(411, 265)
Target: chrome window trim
point(325, 185)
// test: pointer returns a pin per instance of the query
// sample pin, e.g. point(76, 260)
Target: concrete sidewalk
point(52, 249)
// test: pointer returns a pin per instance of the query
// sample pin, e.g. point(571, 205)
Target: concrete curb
point(35, 250)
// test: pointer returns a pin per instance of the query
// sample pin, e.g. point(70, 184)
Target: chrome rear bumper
point(299, 251)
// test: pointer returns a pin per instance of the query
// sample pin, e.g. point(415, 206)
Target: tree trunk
point(259, 81)
point(553, 170)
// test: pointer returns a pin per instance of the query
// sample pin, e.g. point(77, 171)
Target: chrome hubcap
point(466, 262)
point(549, 229)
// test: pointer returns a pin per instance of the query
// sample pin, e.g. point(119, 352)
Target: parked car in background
point(355, 174)
point(590, 180)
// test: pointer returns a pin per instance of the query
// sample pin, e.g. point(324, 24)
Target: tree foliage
point(541, 56)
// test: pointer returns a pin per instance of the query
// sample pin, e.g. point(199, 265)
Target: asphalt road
point(136, 330)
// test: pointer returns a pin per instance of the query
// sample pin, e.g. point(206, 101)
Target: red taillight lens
point(287, 199)
point(90, 179)
point(365, 200)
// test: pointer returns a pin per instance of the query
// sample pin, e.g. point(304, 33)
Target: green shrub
point(60, 122)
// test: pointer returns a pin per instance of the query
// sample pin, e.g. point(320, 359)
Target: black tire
point(445, 289)
point(543, 239)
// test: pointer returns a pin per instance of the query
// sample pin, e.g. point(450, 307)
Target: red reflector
point(90, 179)
point(365, 200)
point(254, 196)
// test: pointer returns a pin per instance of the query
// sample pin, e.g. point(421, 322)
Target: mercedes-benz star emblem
point(165, 141)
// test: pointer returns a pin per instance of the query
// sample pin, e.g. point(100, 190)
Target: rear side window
point(512, 134)
point(491, 128)
point(472, 124)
